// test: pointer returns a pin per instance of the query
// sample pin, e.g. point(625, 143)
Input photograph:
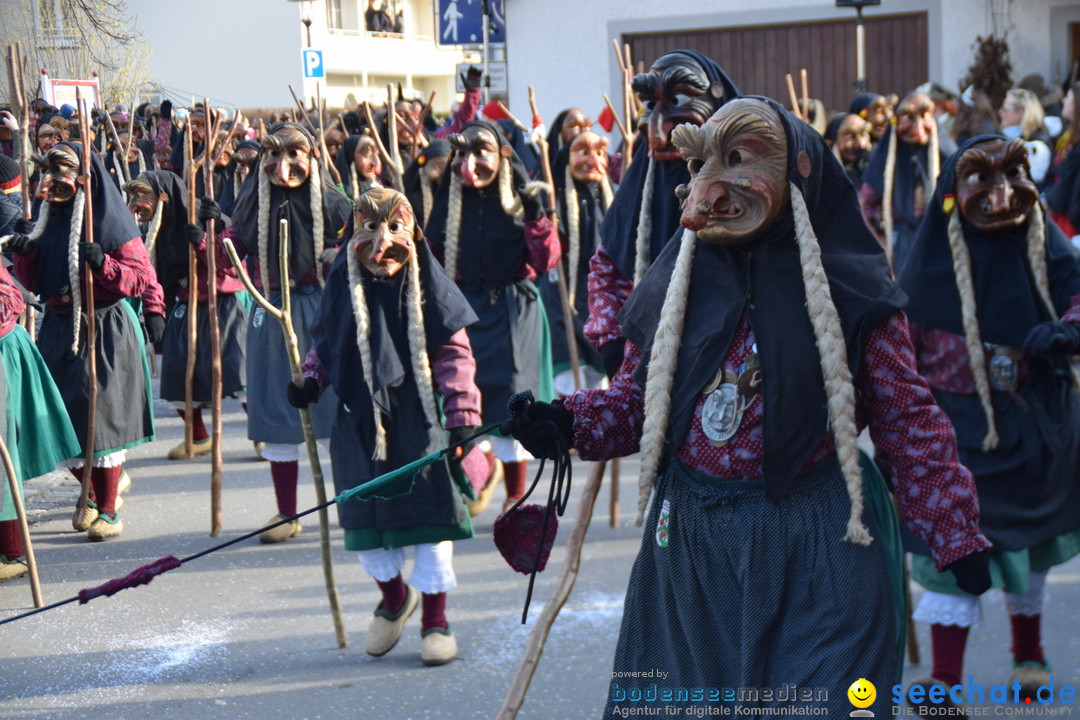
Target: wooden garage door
point(757, 57)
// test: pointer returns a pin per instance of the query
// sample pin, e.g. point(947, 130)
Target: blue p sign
point(313, 64)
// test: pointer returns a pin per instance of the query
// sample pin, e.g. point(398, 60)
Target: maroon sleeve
point(454, 370)
point(466, 113)
point(543, 243)
point(127, 272)
point(870, 202)
point(608, 423)
point(11, 302)
point(608, 290)
point(314, 369)
point(26, 267)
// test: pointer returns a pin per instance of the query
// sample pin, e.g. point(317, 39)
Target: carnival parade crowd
point(734, 289)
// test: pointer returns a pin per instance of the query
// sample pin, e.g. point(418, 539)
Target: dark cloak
point(764, 279)
point(1029, 488)
point(912, 165)
point(620, 227)
point(146, 147)
point(554, 137)
point(227, 197)
point(1063, 197)
point(171, 245)
point(294, 205)
point(113, 226)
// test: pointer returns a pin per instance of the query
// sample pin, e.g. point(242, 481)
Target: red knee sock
point(78, 473)
point(105, 482)
point(198, 428)
point(434, 611)
point(516, 475)
point(285, 475)
point(11, 540)
point(948, 643)
point(394, 594)
point(1027, 639)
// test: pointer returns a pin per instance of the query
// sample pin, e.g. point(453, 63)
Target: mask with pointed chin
point(366, 159)
point(994, 190)
point(477, 156)
point(287, 157)
point(142, 200)
point(915, 119)
point(59, 176)
point(385, 231)
point(588, 157)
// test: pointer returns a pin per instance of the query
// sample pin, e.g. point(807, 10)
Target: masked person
point(291, 184)
point(359, 165)
point(758, 344)
point(495, 240)
point(51, 261)
point(584, 194)
point(849, 137)
point(682, 86)
point(422, 178)
point(139, 156)
point(568, 125)
point(995, 315)
point(158, 200)
point(899, 179)
point(390, 340)
point(243, 161)
point(34, 422)
point(874, 109)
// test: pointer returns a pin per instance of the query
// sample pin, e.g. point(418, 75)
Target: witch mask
point(477, 156)
point(287, 157)
point(366, 158)
point(142, 200)
point(588, 157)
point(675, 90)
point(994, 190)
point(385, 231)
point(915, 119)
point(59, 175)
point(738, 172)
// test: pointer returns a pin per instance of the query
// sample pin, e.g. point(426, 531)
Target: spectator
point(1022, 117)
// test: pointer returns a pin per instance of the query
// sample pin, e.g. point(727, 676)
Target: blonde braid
point(152, 232)
point(606, 192)
point(663, 360)
point(264, 231)
point(832, 349)
point(886, 194)
point(509, 199)
point(363, 343)
point(976, 356)
point(39, 225)
point(453, 227)
point(74, 238)
point(643, 247)
point(573, 232)
point(421, 364)
point(318, 218)
point(933, 160)
point(354, 182)
point(1036, 252)
point(426, 198)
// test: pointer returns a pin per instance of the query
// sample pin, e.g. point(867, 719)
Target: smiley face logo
point(862, 693)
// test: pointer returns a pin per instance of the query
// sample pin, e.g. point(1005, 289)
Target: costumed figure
point(584, 193)
point(849, 137)
point(158, 199)
point(422, 178)
point(759, 343)
point(243, 161)
point(1063, 191)
point(568, 125)
point(682, 86)
point(34, 421)
point(359, 165)
point(874, 109)
point(495, 240)
point(50, 261)
point(140, 156)
point(899, 179)
point(291, 184)
point(390, 340)
point(995, 317)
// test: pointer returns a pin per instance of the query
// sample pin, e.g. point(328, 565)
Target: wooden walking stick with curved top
point(215, 332)
point(193, 298)
point(284, 316)
point(83, 505)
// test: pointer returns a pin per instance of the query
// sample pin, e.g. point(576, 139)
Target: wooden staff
point(215, 333)
point(119, 149)
point(395, 176)
point(805, 95)
point(627, 136)
point(515, 696)
point(794, 98)
point(131, 128)
point(83, 505)
point(284, 316)
point(391, 129)
point(301, 108)
point(415, 150)
point(626, 70)
point(24, 527)
point(329, 161)
point(193, 300)
point(564, 295)
point(22, 109)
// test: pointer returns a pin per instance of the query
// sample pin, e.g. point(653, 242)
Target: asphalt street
point(246, 634)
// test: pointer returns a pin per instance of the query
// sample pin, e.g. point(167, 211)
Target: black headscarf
point(912, 164)
point(171, 246)
point(294, 205)
point(413, 177)
point(1005, 291)
point(521, 146)
point(1063, 196)
point(554, 136)
point(227, 198)
point(862, 101)
point(764, 279)
point(344, 160)
point(113, 225)
point(491, 245)
point(619, 230)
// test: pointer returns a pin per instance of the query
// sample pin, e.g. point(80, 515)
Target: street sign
point(461, 23)
point(313, 63)
point(496, 70)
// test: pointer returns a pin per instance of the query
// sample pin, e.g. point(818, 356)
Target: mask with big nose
point(993, 188)
point(477, 156)
point(59, 174)
point(385, 231)
point(287, 155)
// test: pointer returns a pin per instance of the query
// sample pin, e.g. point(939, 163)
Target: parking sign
point(313, 63)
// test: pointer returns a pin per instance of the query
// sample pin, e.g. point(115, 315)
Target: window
point(333, 14)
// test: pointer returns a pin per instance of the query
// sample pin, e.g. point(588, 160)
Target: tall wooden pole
point(193, 298)
point(215, 330)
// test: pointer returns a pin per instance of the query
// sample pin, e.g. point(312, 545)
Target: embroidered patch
point(258, 317)
point(663, 526)
point(180, 310)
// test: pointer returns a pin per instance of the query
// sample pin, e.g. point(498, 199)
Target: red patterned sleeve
point(608, 290)
point(11, 302)
point(916, 444)
point(607, 423)
point(543, 243)
point(466, 113)
point(127, 272)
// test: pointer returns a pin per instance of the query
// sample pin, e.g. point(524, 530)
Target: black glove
point(611, 354)
point(301, 397)
point(91, 254)
point(166, 109)
point(472, 77)
point(457, 435)
point(23, 226)
point(20, 244)
point(194, 234)
point(209, 210)
point(1053, 337)
point(532, 204)
point(155, 327)
point(972, 572)
point(540, 427)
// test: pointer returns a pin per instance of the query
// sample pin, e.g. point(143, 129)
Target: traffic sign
point(461, 23)
point(496, 70)
point(313, 63)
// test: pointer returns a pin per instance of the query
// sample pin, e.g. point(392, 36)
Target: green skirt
point(39, 432)
point(370, 538)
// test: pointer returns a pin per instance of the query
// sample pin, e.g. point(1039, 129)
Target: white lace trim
point(105, 461)
point(943, 609)
point(1030, 603)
